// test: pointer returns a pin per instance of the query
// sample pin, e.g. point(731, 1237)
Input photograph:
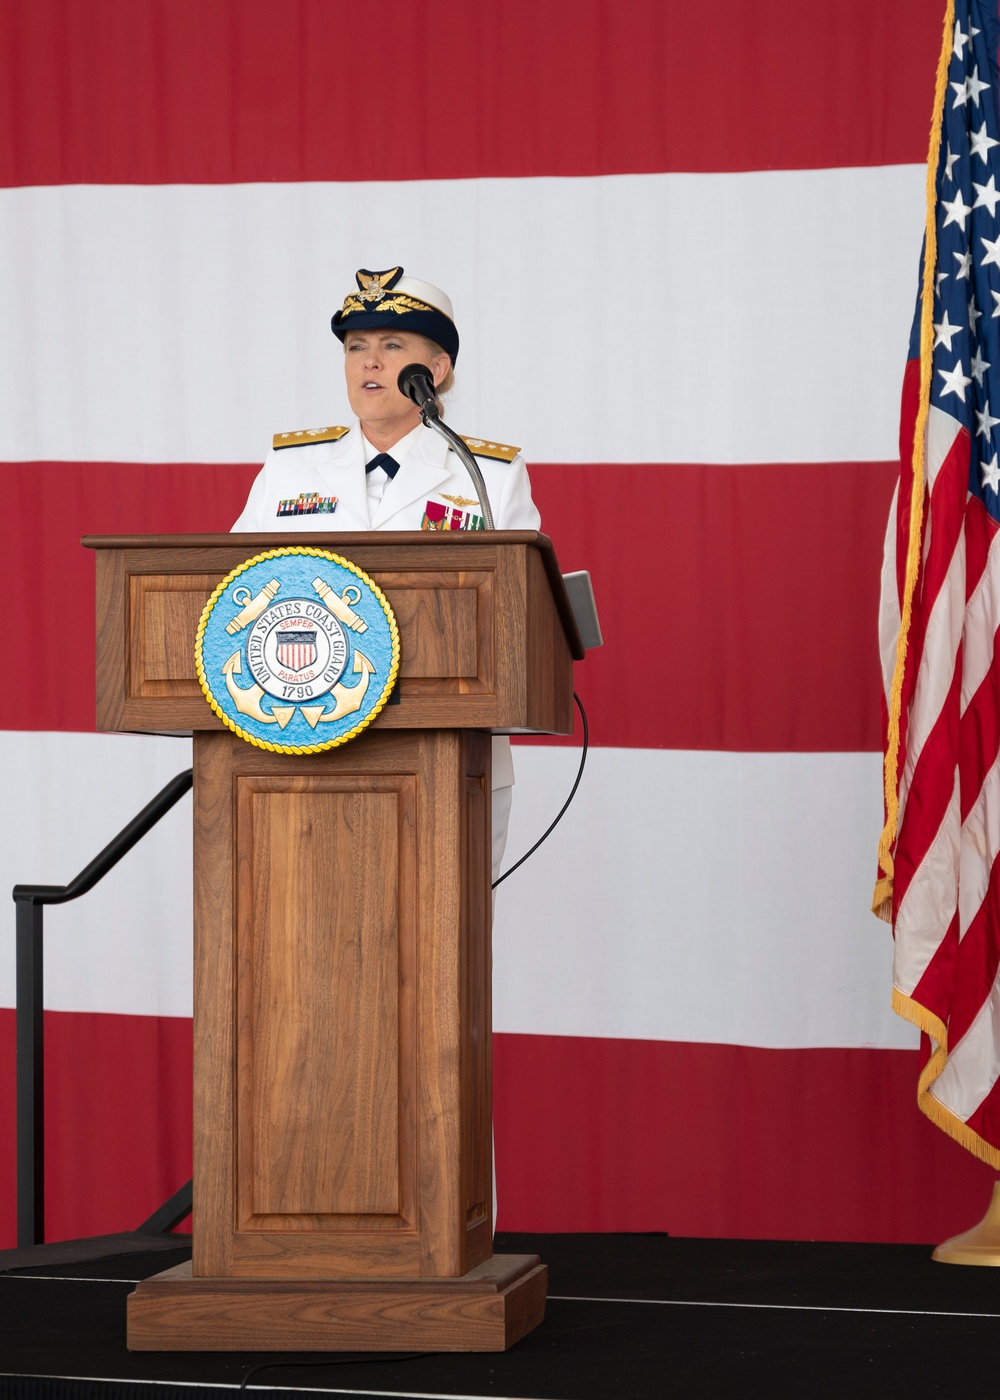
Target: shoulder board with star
point(306, 435)
point(497, 450)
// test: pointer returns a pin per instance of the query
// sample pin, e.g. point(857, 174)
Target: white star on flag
point(987, 195)
point(954, 381)
point(992, 251)
point(986, 423)
point(974, 315)
point(980, 143)
point(974, 86)
point(957, 210)
point(991, 474)
point(979, 366)
point(945, 330)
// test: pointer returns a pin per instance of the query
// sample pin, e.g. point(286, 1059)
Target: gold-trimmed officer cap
point(390, 299)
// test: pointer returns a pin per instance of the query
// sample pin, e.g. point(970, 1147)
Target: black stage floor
point(628, 1316)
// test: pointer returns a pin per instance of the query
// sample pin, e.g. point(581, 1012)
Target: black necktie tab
point(388, 464)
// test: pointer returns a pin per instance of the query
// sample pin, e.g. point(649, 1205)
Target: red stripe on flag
point(974, 967)
point(979, 737)
point(943, 521)
point(980, 532)
point(759, 582)
point(936, 986)
point(930, 792)
point(976, 958)
point(932, 781)
point(986, 1119)
point(195, 91)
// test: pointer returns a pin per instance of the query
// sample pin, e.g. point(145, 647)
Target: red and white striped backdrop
point(683, 252)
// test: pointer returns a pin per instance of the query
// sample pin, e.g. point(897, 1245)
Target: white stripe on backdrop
point(126, 946)
point(189, 323)
point(711, 897)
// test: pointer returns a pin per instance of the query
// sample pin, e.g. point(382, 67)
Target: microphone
point(416, 382)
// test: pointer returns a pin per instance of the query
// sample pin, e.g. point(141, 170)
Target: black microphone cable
point(563, 809)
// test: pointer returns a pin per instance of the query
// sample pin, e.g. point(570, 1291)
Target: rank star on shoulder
point(954, 381)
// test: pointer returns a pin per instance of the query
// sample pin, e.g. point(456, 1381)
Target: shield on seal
point(297, 650)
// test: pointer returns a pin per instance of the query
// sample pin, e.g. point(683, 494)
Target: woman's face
point(372, 361)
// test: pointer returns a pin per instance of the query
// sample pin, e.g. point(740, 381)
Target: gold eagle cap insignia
point(458, 500)
point(372, 285)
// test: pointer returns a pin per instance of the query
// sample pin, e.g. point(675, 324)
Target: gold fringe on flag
point(882, 899)
point(928, 1103)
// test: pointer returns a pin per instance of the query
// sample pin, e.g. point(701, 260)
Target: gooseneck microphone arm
point(417, 383)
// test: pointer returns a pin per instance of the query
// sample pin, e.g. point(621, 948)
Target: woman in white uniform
point(386, 471)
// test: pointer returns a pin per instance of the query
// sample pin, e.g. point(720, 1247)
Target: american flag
point(297, 650)
point(941, 671)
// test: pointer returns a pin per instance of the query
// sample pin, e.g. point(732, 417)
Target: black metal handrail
point(30, 901)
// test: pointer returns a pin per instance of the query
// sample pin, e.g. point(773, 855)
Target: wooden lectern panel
point(441, 618)
point(319, 1005)
point(164, 611)
point(342, 1008)
point(486, 633)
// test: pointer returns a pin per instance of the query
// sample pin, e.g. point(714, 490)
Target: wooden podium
point(342, 965)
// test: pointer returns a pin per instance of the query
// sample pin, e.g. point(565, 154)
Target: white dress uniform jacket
point(430, 472)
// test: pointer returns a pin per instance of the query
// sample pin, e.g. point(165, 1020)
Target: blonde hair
point(448, 382)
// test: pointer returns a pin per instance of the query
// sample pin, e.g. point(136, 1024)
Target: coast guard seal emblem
point(297, 650)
